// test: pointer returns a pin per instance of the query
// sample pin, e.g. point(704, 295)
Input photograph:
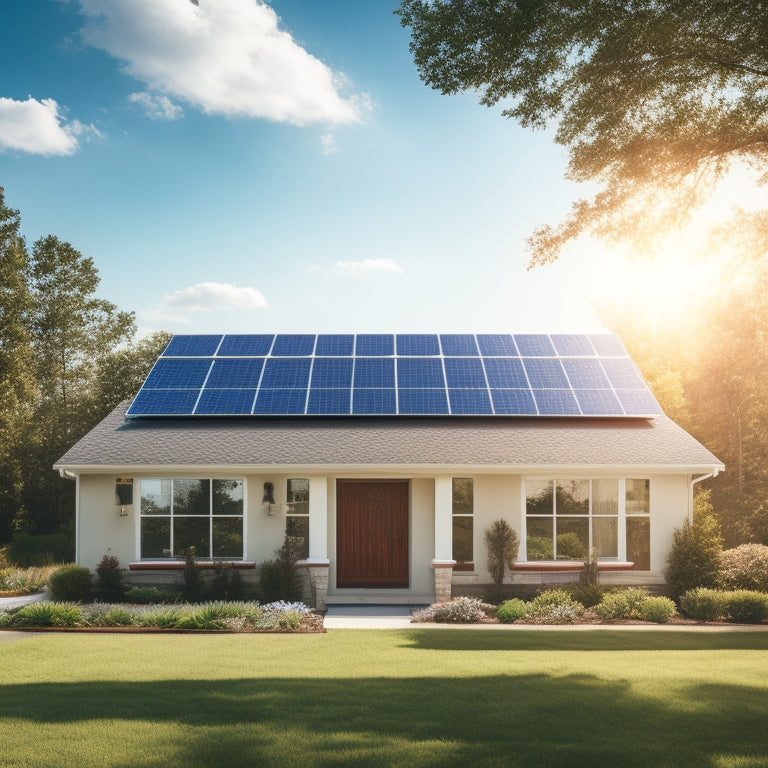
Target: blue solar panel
point(293, 345)
point(226, 402)
point(470, 401)
point(496, 345)
point(374, 345)
point(464, 373)
point(192, 346)
point(286, 373)
point(342, 345)
point(458, 345)
point(186, 373)
point(545, 373)
point(407, 374)
point(280, 402)
point(332, 372)
point(237, 373)
point(329, 401)
point(374, 373)
point(245, 345)
point(422, 401)
point(413, 344)
point(420, 373)
point(374, 401)
point(535, 345)
point(164, 402)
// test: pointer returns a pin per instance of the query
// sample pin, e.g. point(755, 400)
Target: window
point(463, 522)
point(297, 516)
point(179, 513)
point(566, 519)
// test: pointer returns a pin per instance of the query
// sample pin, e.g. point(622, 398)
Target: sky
point(233, 166)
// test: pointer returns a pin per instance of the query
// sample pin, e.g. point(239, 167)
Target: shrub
point(501, 544)
point(278, 579)
point(659, 610)
point(110, 616)
point(72, 584)
point(282, 615)
point(554, 606)
point(226, 584)
point(193, 586)
point(47, 614)
point(144, 595)
point(24, 581)
point(703, 604)
point(745, 567)
point(746, 606)
point(622, 604)
point(460, 610)
point(539, 548)
point(570, 547)
point(590, 572)
point(589, 595)
point(165, 617)
point(110, 585)
point(511, 610)
point(694, 559)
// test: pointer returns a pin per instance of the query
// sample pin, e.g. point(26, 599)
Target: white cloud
point(328, 144)
point(225, 57)
point(369, 267)
point(157, 107)
point(205, 297)
point(37, 127)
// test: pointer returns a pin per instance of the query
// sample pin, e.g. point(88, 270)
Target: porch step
point(413, 601)
point(371, 610)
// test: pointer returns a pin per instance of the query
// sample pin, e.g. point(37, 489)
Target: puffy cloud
point(226, 57)
point(157, 107)
point(369, 267)
point(328, 143)
point(37, 127)
point(205, 297)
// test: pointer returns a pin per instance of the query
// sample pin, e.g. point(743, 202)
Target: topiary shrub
point(70, 584)
point(744, 567)
point(659, 610)
point(501, 544)
point(703, 604)
point(746, 606)
point(511, 610)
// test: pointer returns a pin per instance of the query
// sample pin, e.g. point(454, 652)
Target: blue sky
point(238, 167)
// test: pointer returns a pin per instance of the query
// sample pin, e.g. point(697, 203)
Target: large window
point(179, 513)
point(297, 516)
point(463, 522)
point(567, 519)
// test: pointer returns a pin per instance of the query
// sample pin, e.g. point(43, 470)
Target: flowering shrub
point(24, 581)
point(554, 606)
point(744, 567)
point(460, 610)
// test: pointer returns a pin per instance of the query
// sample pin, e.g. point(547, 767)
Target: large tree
point(653, 98)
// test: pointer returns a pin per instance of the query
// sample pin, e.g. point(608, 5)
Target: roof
point(349, 443)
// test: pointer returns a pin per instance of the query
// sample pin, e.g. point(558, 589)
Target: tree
point(655, 99)
point(501, 543)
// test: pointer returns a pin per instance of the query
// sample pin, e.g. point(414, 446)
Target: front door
point(371, 533)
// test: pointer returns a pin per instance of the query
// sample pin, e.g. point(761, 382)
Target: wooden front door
point(371, 533)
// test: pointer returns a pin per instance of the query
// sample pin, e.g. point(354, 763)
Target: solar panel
point(559, 375)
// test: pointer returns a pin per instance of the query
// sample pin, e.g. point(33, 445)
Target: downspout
point(72, 476)
point(714, 473)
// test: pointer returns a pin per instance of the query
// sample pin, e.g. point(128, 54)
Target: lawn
point(419, 697)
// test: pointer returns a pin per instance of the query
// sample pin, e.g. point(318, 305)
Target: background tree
point(654, 99)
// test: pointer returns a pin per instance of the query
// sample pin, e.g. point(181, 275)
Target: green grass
point(386, 698)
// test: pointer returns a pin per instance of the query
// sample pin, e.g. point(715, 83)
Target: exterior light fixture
point(124, 494)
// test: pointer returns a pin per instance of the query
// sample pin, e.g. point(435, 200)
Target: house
point(389, 455)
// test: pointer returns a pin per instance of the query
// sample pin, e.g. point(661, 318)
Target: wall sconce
point(269, 498)
point(124, 494)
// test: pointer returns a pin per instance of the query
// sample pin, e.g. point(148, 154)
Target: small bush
point(144, 596)
point(511, 610)
point(744, 567)
point(278, 579)
point(227, 584)
point(460, 610)
point(554, 606)
point(501, 544)
point(193, 585)
point(622, 604)
point(589, 595)
point(746, 606)
point(71, 584)
point(110, 616)
point(659, 610)
point(110, 585)
point(164, 617)
point(25, 581)
point(47, 614)
point(703, 604)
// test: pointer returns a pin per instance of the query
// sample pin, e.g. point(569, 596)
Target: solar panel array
point(388, 375)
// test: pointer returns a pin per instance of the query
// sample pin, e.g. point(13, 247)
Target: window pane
point(605, 497)
point(299, 527)
point(156, 497)
point(572, 497)
point(298, 496)
point(638, 497)
point(572, 538)
point(605, 536)
point(538, 497)
point(191, 497)
point(539, 538)
point(463, 503)
point(156, 537)
point(228, 497)
point(191, 532)
point(639, 543)
point(228, 538)
point(462, 539)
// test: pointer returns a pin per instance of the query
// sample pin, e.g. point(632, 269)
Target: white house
point(390, 456)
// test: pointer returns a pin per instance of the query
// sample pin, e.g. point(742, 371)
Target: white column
point(318, 520)
point(443, 521)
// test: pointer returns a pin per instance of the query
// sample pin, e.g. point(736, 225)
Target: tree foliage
point(654, 99)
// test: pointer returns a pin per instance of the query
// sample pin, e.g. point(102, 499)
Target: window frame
point(291, 515)
point(463, 565)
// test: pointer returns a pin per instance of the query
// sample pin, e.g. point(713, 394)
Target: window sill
point(179, 565)
point(569, 566)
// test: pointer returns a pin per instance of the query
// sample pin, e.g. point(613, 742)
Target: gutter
point(714, 473)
